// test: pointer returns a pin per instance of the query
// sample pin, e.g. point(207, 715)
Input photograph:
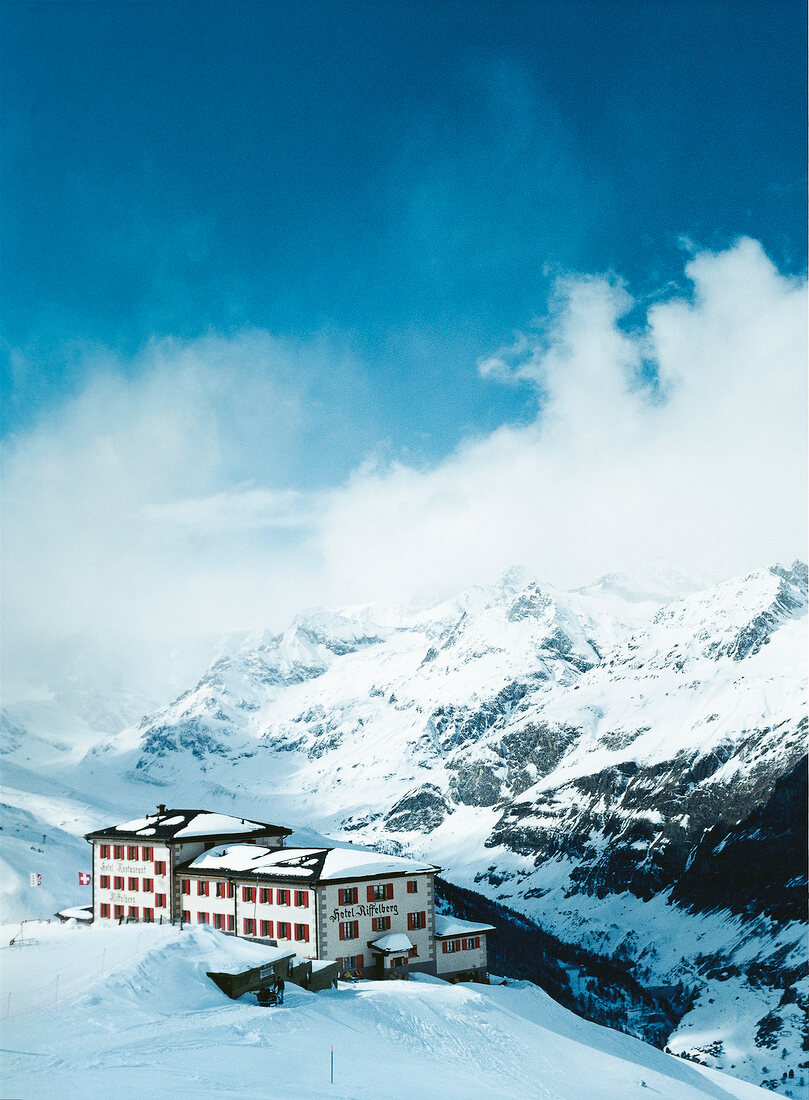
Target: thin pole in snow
point(331, 1078)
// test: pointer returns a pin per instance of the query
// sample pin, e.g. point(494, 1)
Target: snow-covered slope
point(622, 764)
point(135, 1014)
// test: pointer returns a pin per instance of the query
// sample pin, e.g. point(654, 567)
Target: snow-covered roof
point(347, 863)
point(305, 864)
point(186, 825)
point(76, 912)
point(287, 862)
point(395, 943)
point(454, 926)
point(272, 955)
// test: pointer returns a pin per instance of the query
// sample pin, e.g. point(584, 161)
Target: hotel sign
point(372, 909)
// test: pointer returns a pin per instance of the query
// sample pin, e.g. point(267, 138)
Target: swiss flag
point(84, 878)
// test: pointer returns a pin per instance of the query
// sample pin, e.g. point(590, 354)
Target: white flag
point(35, 879)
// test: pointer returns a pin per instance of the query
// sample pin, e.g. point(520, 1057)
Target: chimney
point(161, 809)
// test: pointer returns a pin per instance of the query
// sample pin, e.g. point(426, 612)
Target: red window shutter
point(306, 933)
point(389, 891)
point(305, 897)
point(186, 886)
point(341, 896)
point(370, 893)
point(444, 947)
point(360, 962)
point(230, 923)
point(410, 922)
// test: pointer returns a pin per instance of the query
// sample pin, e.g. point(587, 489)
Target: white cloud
point(609, 474)
point(163, 502)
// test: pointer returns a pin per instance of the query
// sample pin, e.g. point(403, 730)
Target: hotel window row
point(134, 853)
point(265, 895)
point(131, 912)
point(449, 946)
point(131, 883)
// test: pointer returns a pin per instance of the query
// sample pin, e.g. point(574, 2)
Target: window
point(351, 962)
point(380, 924)
point(413, 953)
point(202, 888)
point(133, 913)
point(105, 851)
point(202, 918)
point(119, 912)
point(349, 929)
point(160, 901)
point(284, 930)
point(412, 886)
point(265, 896)
point(302, 932)
point(105, 910)
point(302, 898)
point(118, 851)
point(160, 867)
point(118, 882)
point(266, 928)
point(249, 926)
point(380, 893)
point(133, 884)
point(416, 920)
point(248, 893)
point(450, 946)
point(347, 896)
point(147, 854)
point(219, 920)
point(105, 882)
point(148, 915)
point(132, 851)
point(186, 885)
point(282, 897)
point(186, 916)
point(148, 885)
point(231, 922)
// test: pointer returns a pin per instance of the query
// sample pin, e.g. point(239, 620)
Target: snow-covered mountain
point(623, 764)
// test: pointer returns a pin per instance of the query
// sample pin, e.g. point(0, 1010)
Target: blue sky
point(405, 177)
point(309, 303)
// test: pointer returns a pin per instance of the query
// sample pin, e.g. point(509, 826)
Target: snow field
point(154, 1024)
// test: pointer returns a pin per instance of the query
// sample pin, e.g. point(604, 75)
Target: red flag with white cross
point(84, 878)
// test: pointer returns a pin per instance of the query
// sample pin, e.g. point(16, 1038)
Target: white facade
point(461, 947)
point(353, 914)
point(131, 882)
point(281, 911)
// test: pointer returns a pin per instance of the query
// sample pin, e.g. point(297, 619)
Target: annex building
point(372, 913)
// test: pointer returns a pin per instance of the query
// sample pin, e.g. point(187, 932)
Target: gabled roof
point(395, 943)
point(445, 927)
point(304, 865)
point(167, 825)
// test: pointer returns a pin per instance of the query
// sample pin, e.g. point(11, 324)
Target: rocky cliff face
point(621, 764)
